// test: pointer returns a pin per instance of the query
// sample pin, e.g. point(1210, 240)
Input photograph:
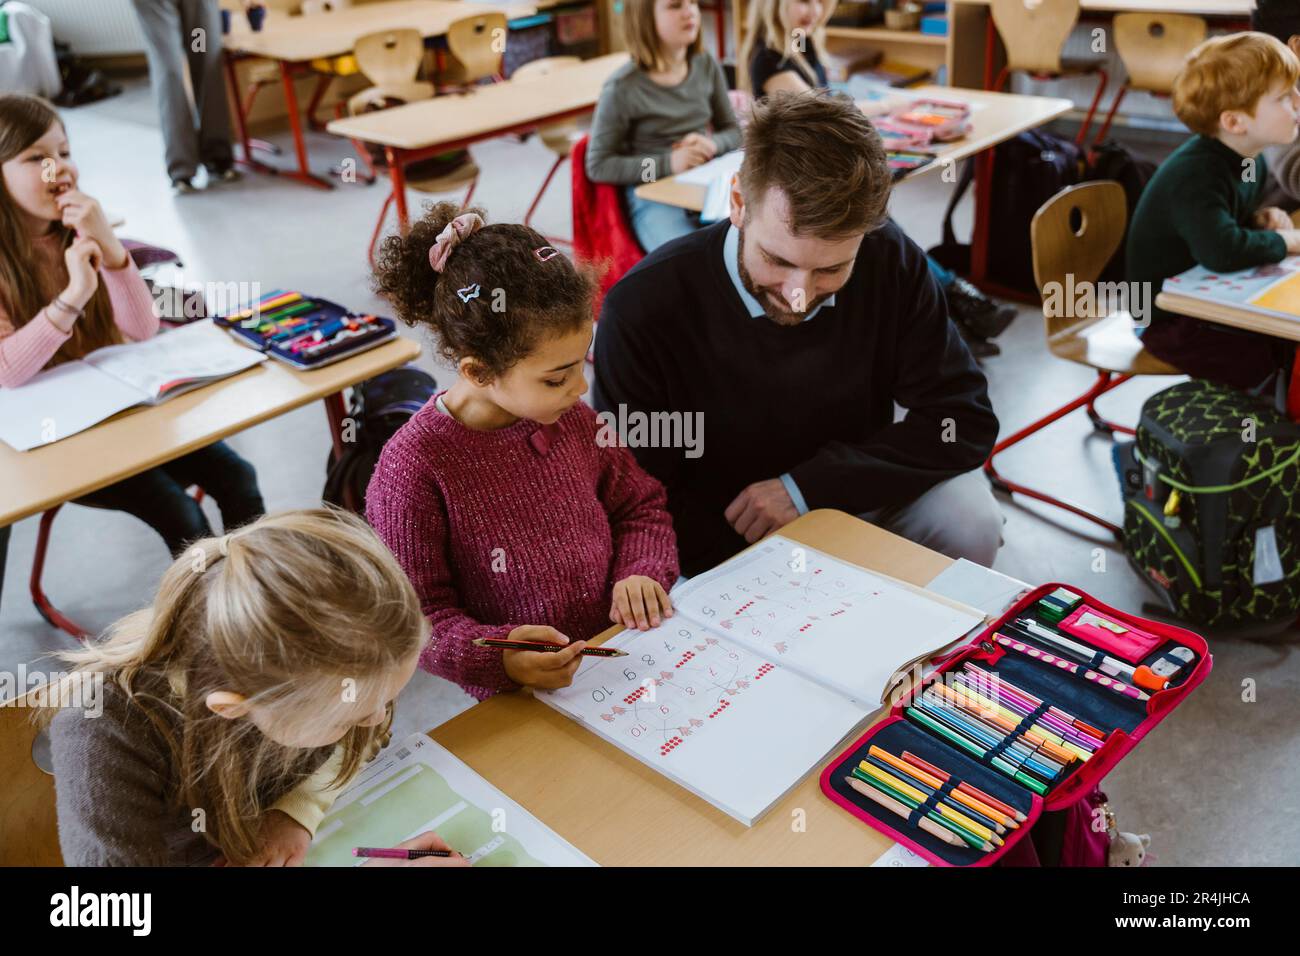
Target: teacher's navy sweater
point(815, 400)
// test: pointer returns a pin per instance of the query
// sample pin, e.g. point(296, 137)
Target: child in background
point(1281, 19)
point(1237, 94)
point(226, 732)
point(512, 519)
point(781, 49)
point(68, 287)
point(654, 115)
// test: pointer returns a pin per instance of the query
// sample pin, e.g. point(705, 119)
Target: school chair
point(391, 59)
point(1033, 33)
point(29, 832)
point(53, 616)
point(1152, 47)
point(1075, 233)
point(557, 137)
point(602, 231)
point(476, 48)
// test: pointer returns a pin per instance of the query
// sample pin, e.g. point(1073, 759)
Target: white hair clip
point(469, 292)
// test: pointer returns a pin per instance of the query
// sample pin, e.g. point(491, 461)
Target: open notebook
point(768, 662)
point(72, 397)
point(1272, 289)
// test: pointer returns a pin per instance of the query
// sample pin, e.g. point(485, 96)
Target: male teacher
point(792, 331)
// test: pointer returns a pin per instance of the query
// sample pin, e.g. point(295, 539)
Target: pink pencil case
point(1124, 721)
point(1124, 640)
point(941, 119)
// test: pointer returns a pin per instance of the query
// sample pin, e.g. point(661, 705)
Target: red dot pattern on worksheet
point(636, 695)
point(744, 607)
point(804, 628)
point(721, 707)
point(686, 658)
point(763, 670)
point(668, 746)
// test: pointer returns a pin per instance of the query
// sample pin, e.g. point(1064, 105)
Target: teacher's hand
point(760, 509)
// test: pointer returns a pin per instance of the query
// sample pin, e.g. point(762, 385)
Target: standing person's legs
point(160, 502)
point(165, 49)
point(229, 479)
point(958, 517)
point(209, 83)
point(4, 553)
point(656, 223)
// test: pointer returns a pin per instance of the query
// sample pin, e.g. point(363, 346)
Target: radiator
point(94, 27)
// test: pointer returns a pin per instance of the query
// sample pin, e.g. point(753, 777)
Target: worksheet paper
point(767, 664)
point(418, 786)
point(834, 623)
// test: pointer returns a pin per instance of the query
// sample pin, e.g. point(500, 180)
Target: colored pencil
point(1104, 680)
point(957, 795)
point(971, 747)
point(965, 787)
point(965, 816)
point(967, 837)
point(892, 805)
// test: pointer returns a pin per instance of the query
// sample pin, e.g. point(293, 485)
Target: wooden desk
point(294, 41)
point(299, 39)
point(412, 132)
point(620, 812)
point(29, 834)
point(1224, 314)
point(1003, 116)
point(142, 438)
point(42, 479)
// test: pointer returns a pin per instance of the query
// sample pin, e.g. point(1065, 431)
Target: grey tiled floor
point(1193, 785)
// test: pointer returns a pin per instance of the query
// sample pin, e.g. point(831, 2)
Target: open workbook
point(1272, 289)
point(416, 786)
point(767, 663)
point(72, 397)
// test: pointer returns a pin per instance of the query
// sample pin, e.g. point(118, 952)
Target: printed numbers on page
point(600, 693)
point(629, 673)
point(647, 660)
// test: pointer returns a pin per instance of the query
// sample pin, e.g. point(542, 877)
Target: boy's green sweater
point(1197, 209)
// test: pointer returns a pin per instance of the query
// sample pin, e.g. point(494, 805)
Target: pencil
point(930, 780)
point(545, 646)
point(920, 796)
point(931, 823)
point(396, 853)
point(965, 787)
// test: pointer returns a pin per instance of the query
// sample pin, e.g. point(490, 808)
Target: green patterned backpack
point(1215, 523)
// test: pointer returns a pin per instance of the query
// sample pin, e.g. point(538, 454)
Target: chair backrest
point(1034, 31)
point(29, 833)
point(478, 44)
point(390, 57)
point(1154, 46)
point(1074, 234)
point(543, 66)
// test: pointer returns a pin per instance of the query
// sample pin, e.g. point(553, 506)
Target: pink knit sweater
point(528, 524)
point(27, 350)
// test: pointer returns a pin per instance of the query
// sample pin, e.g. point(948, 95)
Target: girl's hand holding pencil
point(84, 214)
point(548, 670)
point(427, 849)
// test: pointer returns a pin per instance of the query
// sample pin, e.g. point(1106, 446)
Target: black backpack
point(1110, 160)
point(379, 407)
point(1212, 514)
point(1028, 170)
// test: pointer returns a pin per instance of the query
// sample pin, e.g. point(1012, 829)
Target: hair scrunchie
point(452, 235)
